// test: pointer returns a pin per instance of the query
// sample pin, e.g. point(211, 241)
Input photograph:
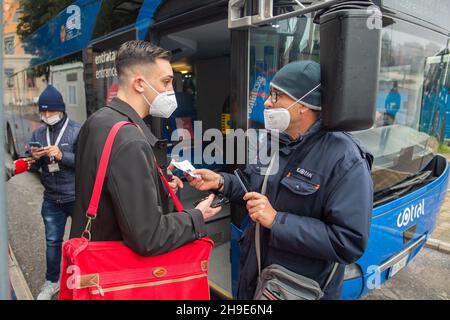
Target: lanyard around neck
point(61, 133)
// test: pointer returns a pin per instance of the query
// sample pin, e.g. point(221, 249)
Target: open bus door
point(196, 33)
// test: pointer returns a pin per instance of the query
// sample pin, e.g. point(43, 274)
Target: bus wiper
point(401, 188)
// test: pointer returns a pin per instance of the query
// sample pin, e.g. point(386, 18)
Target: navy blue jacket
point(324, 204)
point(59, 186)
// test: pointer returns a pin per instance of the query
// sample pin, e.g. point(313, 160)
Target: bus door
point(200, 42)
point(435, 96)
point(263, 51)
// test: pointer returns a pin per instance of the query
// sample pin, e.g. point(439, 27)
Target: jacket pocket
point(300, 186)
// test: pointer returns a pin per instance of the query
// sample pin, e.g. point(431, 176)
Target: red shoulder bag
point(109, 270)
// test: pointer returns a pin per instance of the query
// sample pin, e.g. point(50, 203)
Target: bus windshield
point(404, 137)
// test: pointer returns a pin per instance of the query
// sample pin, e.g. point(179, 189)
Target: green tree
point(38, 12)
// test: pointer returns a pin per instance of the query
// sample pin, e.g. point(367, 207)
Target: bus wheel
point(11, 148)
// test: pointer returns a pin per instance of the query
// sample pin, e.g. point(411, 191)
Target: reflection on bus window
point(398, 141)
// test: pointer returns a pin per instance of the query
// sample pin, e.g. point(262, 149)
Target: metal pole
point(5, 289)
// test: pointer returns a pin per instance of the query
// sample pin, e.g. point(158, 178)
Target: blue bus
point(224, 55)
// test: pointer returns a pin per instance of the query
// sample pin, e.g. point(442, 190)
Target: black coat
point(130, 207)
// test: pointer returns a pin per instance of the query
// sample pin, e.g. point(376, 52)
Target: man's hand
point(205, 208)
point(175, 183)
point(22, 165)
point(37, 153)
point(208, 180)
point(259, 209)
point(29, 161)
point(53, 151)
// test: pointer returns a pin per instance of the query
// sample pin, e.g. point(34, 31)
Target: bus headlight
point(352, 271)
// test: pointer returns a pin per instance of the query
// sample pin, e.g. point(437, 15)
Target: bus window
point(402, 140)
point(115, 15)
point(271, 48)
point(100, 65)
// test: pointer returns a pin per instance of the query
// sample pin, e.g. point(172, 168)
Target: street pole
point(5, 291)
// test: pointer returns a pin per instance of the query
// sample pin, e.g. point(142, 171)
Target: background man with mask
point(318, 206)
point(56, 161)
point(130, 207)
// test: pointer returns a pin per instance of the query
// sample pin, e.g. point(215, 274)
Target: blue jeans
point(55, 217)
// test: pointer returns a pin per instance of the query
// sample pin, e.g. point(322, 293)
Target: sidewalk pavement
point(20, 288)
point(440, 238)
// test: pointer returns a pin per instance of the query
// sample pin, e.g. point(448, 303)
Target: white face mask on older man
point(280, 118)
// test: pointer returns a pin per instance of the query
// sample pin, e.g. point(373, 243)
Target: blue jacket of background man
point(59, 186)
point(324, 205)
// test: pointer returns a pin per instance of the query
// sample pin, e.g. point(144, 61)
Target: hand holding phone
point(37, 150)
point(217, 202)
point(206, 209)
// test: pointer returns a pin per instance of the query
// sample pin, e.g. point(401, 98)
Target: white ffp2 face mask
point(51, 121)
point(280, 118)
point(164, 104)
point(277, 119)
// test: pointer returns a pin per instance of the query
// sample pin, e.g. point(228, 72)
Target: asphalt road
point(427, 277)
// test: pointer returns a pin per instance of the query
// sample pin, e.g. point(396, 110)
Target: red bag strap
point(173, 195)
point(101, 173)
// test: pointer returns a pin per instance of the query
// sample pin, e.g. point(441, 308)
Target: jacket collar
point(125, 109)
point(287, 145)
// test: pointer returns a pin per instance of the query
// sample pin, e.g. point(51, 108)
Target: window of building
point(9, 45)
point(72, 94)
point(17, 15)
point(8, 76)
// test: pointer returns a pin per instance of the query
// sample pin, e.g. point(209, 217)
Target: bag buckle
point(87, 230)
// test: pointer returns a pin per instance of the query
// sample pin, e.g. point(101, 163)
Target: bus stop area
point(107, 107)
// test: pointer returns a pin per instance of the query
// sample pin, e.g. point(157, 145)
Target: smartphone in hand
point(35, 144)
point(217, 202)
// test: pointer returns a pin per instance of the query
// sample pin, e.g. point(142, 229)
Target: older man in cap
point(53, 149)
point(315, 214)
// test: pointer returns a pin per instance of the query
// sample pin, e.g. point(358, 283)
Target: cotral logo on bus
point(410, 214)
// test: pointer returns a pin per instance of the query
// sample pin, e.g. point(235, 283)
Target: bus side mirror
point(350, 52)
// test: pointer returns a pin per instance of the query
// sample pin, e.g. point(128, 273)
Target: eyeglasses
point(274, 95)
